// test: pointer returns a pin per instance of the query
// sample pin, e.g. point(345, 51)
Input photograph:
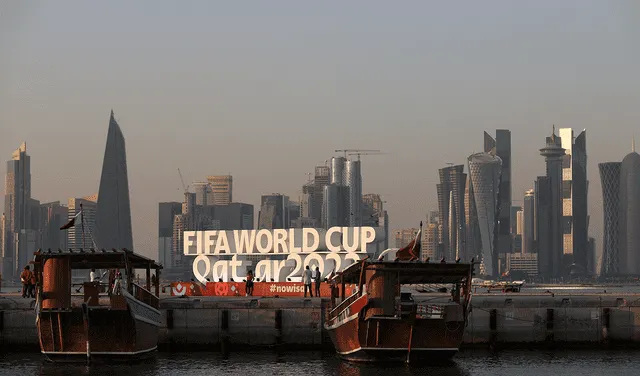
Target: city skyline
point(421, 83)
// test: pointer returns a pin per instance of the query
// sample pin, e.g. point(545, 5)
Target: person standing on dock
point(25, 278)
point(306, 279)
point(249, 285)
point(316, 278)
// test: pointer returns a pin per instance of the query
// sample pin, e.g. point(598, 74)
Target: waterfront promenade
point(496, 319)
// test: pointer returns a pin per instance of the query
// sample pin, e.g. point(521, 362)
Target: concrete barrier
point(214, 324)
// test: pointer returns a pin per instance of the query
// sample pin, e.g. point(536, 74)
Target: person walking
point(25, 278)
point(306, 279)
point(318, 279)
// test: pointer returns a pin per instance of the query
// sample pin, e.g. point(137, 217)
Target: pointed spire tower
point(113, 217)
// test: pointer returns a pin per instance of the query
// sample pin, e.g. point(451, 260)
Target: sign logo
point(179, 290)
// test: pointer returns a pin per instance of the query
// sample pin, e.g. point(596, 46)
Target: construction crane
point(345, 151)
point(184, 187)
point(377, 152)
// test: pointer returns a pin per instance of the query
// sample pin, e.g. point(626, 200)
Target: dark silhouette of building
point(629, 244)
point(548, 202)
point(451, 207)
point(501, 146)
point(610, 179)
point(113, 216)
point(528, 225)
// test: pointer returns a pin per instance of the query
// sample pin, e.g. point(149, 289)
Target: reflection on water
point(467, 363)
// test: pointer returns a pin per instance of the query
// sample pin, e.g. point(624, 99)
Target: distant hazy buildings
point(548, 200)
point(574, 199)
point(336, 210)
point(53, 215)
point(113, 219)
point(611, 210)
point(485, 169)
point(274, 212)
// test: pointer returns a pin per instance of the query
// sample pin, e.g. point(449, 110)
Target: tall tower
point(484, 169)
point(528, 222)
point(501, 147)
point(16, 209)
point(354, 182)
point(574, 198)
point(610, 179)
point(629, 246)
point(451, 192)
point(113, 217)
point(549, 203)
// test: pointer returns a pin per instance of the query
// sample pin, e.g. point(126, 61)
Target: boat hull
point(117, 332)
point(397, 340)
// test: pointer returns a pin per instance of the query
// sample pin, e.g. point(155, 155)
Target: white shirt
point(93, 276)
point(315, 274)
point(306, 277)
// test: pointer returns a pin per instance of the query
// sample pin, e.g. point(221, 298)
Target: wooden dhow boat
point(118, 320)
point(379, 322)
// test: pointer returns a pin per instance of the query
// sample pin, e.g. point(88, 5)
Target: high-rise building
point(203, 193)
point(473, 241)
point(548, 201)
point(501, 147)
point(353, 179)
point(513, 227)
point(335, 209)
point(338, 171)
point(321, 178)
point(610, 179)
point(16, 209)
point(574, 198)
point(274, 212)
point(451, 192)
point(430, 242)
point(629, 221)
point(76, 238)
point(484, 169)
point(405, 236)
point(528, 222)
point(519, 222)
point(113, 217)
point(221, 190)
point(167, 212)
point(53, 215)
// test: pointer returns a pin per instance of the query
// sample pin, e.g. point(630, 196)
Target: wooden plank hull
point(387, 339)
point(113, 334)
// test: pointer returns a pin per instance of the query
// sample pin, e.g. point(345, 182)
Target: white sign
point(329, 250)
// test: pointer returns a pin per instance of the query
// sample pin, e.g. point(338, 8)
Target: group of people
point(28, 279)
point(308, 276)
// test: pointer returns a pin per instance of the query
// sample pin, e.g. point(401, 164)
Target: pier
point(215, 323)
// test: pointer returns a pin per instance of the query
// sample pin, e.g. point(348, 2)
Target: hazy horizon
point(266, 92)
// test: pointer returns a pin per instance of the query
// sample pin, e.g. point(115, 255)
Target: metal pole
point(82, 221)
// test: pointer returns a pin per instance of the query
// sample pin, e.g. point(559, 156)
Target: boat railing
point(344, 304)
point(145, 296)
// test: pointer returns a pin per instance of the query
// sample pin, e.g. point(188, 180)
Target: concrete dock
point(211, 323)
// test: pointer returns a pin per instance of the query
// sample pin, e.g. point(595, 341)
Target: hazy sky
point(267, 90)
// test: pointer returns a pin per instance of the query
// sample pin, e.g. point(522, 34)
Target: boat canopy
point(411, 272)
point(98, 259)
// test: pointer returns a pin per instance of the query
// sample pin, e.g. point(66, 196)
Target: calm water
point(468, 363)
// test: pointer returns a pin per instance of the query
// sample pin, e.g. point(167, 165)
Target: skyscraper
point(451, 208)
point(548, 202)
point(501, 147)
point(610, 179)
point(274, 212)
point(484, 169)
point(353, 180)
point(574, 198)
point(203, 193)
point(629, 245)
point(52, 217)
point(167, 212)
point(17, 209)
point(221, 190)
point(113, 219)
point(321, 178)
point(335, 207)
point(528, 222)
point(76, 238)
